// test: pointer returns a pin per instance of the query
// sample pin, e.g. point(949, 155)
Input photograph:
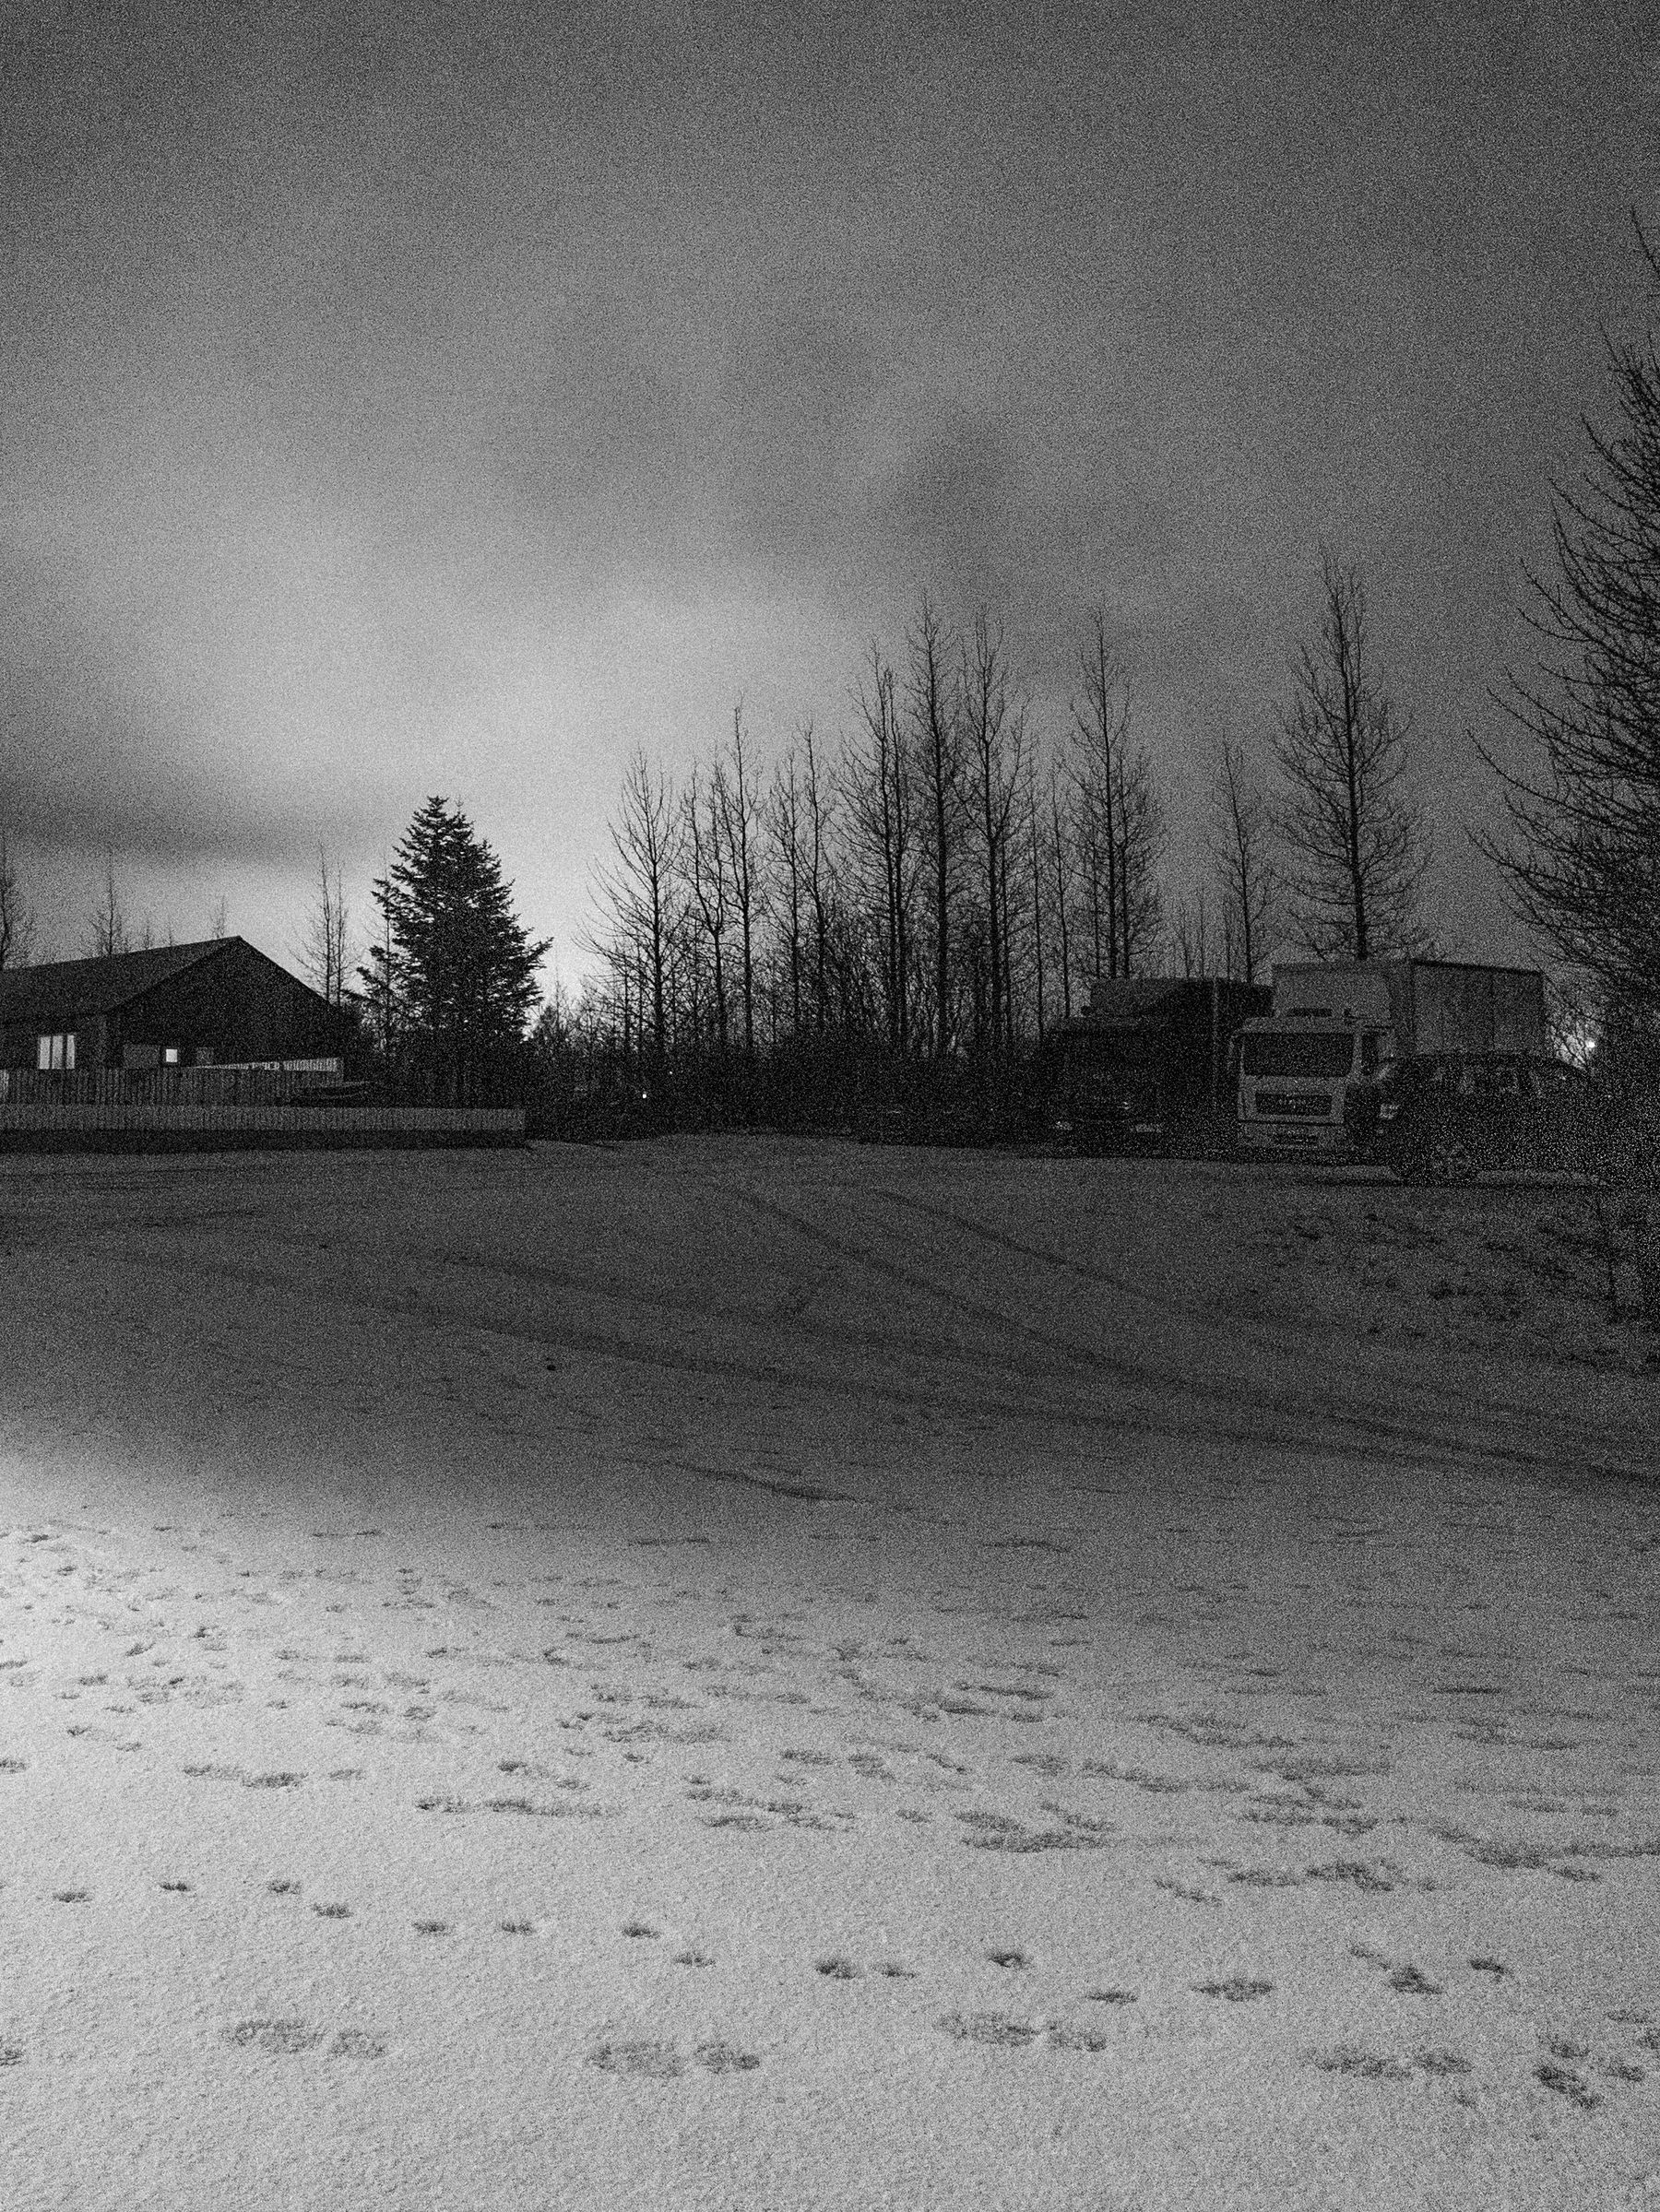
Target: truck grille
point(1298, 1104)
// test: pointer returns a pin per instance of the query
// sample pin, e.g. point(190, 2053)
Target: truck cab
point(1147, 1067)
point(1300, 1082)
point(1320, 1073)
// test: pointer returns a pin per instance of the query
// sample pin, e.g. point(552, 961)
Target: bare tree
point(995, 730)
point(1060, 859)
point(1119, 822)
point(16, 919)
point(1191, 931)
point(1138, 823)
point(107, 931)
point(703, 856)
point(937, 737)
point(1034, 855)
point(882, 816)
point(323, 954)
point(1237, 844)
point(784, 826)
point(819, 796)
point(741, 825)
point(1356, 844)
point(639, 885)
point(1584, 862)
point(1100, 725)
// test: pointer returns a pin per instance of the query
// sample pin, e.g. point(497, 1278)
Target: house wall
point(20, 1037)
point(236, 1006)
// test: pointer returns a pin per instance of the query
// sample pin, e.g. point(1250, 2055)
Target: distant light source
point(1581, 1043)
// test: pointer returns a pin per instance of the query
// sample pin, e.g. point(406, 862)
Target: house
point(189, 1006)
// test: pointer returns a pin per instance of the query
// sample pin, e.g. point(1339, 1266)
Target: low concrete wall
point(176, 1125)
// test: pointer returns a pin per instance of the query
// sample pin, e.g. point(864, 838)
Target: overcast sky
point(405, 401)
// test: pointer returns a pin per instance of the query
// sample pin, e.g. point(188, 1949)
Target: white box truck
point(1338, 1027)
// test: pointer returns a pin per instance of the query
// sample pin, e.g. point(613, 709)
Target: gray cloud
point(412, 400)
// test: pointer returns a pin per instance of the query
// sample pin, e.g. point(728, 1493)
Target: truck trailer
point(1149, 1063)
point(1312, 1071)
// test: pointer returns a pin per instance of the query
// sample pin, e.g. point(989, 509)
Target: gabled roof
point(74, 990)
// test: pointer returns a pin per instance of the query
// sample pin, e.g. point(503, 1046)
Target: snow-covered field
point(761, 1673)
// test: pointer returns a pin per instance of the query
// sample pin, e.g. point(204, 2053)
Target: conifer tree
point(452, 981)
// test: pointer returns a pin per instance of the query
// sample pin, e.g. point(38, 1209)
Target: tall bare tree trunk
point(936, 724)
point(1356, 844)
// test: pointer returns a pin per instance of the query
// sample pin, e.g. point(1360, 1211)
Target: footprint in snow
point(291, 2037)
point(650, 2060)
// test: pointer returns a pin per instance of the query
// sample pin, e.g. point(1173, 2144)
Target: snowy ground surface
point(751, 1674)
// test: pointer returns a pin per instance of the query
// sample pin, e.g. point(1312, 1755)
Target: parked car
point(1445, 1117)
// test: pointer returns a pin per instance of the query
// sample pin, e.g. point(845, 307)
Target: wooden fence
point(186, 1124)
point(166, 1086)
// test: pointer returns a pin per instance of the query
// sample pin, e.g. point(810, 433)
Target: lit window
point(169, 1058)
point(56, 1052)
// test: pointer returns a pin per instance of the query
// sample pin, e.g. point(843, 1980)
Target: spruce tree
point(452, 982)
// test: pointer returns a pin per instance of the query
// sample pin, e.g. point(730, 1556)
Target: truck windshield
point(1299, 1052)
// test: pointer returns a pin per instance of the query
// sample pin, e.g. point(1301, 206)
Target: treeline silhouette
point(885, 933)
